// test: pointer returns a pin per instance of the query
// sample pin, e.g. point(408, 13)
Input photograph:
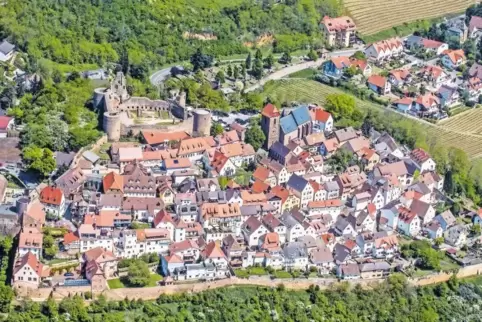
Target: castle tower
point(112, 126)
point(119, 87)
point(270, 116)
point(201, 125)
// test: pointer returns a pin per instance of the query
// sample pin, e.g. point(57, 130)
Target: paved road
point(158, 77)
point(295, 68)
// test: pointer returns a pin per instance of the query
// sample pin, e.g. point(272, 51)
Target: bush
point(282, 274)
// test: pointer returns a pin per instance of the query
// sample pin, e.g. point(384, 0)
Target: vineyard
point(308, 91)
point(373, 16)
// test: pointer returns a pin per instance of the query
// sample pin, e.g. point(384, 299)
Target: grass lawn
point(121, 282)
point(448, 264)
point(241, 273)
point(304, 73)
point(282, 274)
point(458, 110)
point(102, 151)
point(422, 272)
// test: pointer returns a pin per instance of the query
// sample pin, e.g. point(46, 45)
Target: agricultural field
point(470, 121)
point(466, 137)
point(373, 16)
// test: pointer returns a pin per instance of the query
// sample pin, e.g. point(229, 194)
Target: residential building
point(6, 50)
point(28, 271)
point(453, 58)
point(339, 32)
point(385, 49)
point(456, 236)
point(53, 200)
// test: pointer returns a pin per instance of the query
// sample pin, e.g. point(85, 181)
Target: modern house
point(453, 58)
point(385, 49)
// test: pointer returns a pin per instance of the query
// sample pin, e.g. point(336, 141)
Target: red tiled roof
point(429, 43)
point(157, 137)
point(259, 186)
point(377, 80)
point(455, 55)
point(404, 101)
point(261, 173)
point(325, 203)
point(31, 260)
point(341, 62)
point(4, 121)
point(71, 237)
point(281, 192)
point(269, 110)
point(419, 155)
point(339, 23)
point(51, 195)
point(388, 44)
point(400, 74)
point(213, 250)
point(322, 115)
point(162, 216)
point(113, 181)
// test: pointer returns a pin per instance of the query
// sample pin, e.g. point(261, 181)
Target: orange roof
point(51, 195)
point(173, 259)
point(261, 173)
point(388, 44)
point(105, 218)
point(325, 203)
point(269, 110)
point(328, 238)
point(281, 192)
point(341, 62)
point(331, 144)
point(259, 186)
point(316, 186)
point(35, 211)
point(232, 184)
point(455, 55)
point(404, 101)
point(322, 115)
point(177, 163)
point(400, 74)
point(339, 23)
point(99, 255)
point(406, 215)
point(419, 155)
point(71, 237)
point(432, 70)
point(193, 145)
point(219, 161)
point(427, 100)
point(271, 240)
point(250, 198)
point(30, 238)
point(209, 210)
point(31, 260)
point(377, 80)
point(113, 181)
point(162, 216)
point(371, 208)
point(213, 250)
point(157, 137)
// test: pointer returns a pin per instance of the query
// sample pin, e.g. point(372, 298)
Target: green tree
point(269, 61)
point(200, 61)
point(138, 274)
point(257, 70)
point(340, 160)
point(41, 160)
point(223, 182)
point(255, 136)
point(285, 58)
point(248, 61)
point(312, 55)
point(217, 129)
point(229, 71)
point(6, 297)
point(359, 55)
point(475, 230)
point(340, 105)
point(220, 77)
point(235, 72)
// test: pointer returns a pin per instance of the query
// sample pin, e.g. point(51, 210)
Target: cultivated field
point(373, 16)
point(308, 91)
point(468, 121)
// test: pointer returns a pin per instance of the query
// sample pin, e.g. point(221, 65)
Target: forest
point(393, 300)
point(155, 32)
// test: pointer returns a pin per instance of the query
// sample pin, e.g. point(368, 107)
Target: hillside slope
point(373, 16)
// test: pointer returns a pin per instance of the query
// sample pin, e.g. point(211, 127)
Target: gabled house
point(446, 219)
point(252, 230)
point(53, 200)
point(345, 226)
point(449, 96)
point(301, 188)
point(295, 255)
point(427, 104)
point(453, 58)
point(404, 104)
point(384, 50)
point(434, 75)
point(408, 222)
point(323, 121)
point(6, 50)
point(422, 160)
point(400, 77)
point(28, 271)
point(434, 230)
point(456, 236)
point(475, 27)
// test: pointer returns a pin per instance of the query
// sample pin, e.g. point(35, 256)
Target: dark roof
point(341, 253)
point(280, 149)
point(64, 159)
point(6, 47)
point(296, 182)
point(299, 116)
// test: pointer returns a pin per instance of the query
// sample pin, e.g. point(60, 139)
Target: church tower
point(270, 117)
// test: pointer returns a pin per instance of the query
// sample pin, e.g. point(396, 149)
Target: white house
point(301, 188)
point(295, 255)
point(408, 222)
point(323, 121)
point(456, 236)
point(422, 160)
point(53, 200)
point(28, 271)
point(252, 230)
point(384, 49)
